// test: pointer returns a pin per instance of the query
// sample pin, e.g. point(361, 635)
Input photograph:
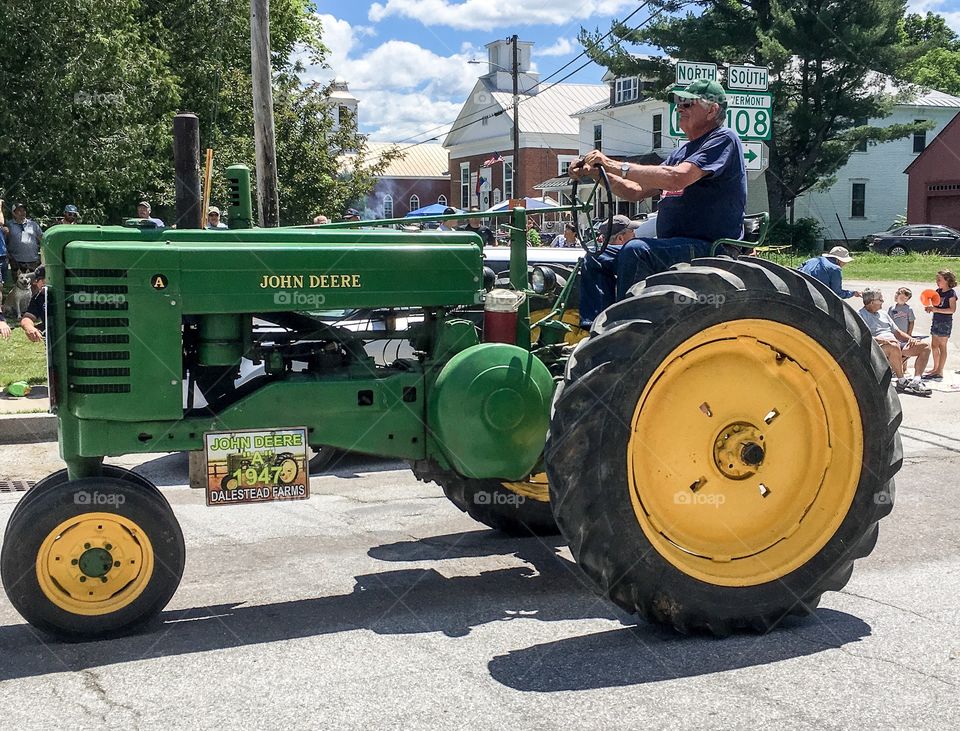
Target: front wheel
point(92, 557)
point(723, 446)
point(898, 250)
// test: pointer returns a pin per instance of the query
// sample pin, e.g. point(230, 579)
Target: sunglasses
point(685, 103)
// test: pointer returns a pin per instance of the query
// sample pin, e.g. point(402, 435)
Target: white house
point(871, 189)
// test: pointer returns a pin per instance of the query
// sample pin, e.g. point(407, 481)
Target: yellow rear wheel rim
point(745, 453)
point(95, 563)
point(536, 487)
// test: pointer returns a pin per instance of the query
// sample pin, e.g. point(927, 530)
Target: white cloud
point(487, 15)
point(563, 47)
point(952, 17)
point(403, 88)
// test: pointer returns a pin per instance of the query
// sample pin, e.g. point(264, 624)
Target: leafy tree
point(829, 62)
point(87, 116)
point(939, 66)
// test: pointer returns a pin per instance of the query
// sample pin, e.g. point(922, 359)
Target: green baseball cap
point(705, 89)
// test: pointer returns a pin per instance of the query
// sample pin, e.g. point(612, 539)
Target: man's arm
point(836, 284)
point(641, 181)
point(4, 328)
point(28, 323)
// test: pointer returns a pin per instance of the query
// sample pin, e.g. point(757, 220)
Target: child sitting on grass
point(942, 322)
point(902, 313)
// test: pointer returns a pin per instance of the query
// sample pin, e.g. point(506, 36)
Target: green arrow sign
point(750, 156)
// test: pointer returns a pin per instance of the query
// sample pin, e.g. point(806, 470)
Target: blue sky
point(406, 60)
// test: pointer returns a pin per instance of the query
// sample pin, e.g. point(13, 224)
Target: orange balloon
point(930, 298)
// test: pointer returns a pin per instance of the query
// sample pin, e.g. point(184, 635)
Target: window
point(388, 206)
point(919, 138)
point(442, 200)
point(626, 90)
point(598, 137)
point(343, 115)
point(564, 162)
point(657, 131)
point(497, 196)
point(858, 200)
point(862, 144)
point(508, 178)
point(414, 202)
point(464, 185)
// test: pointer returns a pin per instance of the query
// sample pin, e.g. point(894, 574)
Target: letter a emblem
point(158, 281)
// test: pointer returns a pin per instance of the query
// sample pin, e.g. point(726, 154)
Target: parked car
point(919, 237)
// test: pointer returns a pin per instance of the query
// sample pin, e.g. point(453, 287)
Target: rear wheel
point(723, 446)
point(519, 508)
point(92, 557)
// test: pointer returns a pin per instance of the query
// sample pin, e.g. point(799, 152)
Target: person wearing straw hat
point(827, 269)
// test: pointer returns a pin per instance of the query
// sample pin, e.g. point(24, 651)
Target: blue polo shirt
point(712, 208)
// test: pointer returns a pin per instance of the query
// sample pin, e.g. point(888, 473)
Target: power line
point(530, 89)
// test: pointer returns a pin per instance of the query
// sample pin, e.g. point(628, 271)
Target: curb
point(27, 428)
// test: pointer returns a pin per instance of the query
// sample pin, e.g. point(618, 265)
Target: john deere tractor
point(717, 451)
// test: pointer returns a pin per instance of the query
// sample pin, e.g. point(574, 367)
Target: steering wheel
point(588, 240)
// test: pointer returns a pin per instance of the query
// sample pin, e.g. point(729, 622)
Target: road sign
point(690, 71)
point(749, 114)
point(754, 156)
point(754, 78)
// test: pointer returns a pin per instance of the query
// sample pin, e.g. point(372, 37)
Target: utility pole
point(268, 198)
point(516, 121)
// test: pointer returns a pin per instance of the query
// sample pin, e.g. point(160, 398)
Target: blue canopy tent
point(435, 209)
point(531, 204)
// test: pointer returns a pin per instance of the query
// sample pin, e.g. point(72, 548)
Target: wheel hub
point(95, 562)
point(738, 450)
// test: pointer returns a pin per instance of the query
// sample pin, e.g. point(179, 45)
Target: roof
point(933, 98)
point(427, 160)
point(549, 111)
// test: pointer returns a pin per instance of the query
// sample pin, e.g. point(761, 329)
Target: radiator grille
point(94, 333)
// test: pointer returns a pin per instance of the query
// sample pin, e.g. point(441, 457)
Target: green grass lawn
point(21, 360)
point(877, 267)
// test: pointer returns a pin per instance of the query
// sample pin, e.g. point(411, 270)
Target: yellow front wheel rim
point(570, 317)
point(536, 487)
point(95, 563)
point(745, 452)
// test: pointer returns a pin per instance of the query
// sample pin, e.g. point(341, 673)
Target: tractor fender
point(489, 411)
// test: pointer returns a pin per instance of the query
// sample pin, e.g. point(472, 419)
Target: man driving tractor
point(703, 187)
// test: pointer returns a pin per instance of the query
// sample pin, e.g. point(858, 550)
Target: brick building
point(933, 187)
point(418, 178)
point(548, 134)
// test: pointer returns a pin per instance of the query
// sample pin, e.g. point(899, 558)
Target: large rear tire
point(723, 446)
point(515, 508)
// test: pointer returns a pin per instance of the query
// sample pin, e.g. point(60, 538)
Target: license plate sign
point(256, 466)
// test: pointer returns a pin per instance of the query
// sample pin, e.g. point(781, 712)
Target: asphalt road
point(376, 604)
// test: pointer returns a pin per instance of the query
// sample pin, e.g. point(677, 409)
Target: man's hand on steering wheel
point(588, 165)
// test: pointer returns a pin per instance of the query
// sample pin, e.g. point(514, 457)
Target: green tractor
point(717, 451)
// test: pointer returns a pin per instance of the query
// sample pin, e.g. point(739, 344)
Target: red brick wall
point(536, 165)
point(427, 189)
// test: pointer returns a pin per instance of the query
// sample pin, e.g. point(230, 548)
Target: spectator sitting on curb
point(826, 268)
point(896, 344)
point(36, 310)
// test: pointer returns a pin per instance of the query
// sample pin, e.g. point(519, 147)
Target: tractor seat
point(755, 228)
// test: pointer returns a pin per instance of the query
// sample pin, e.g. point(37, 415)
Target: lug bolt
point(86, 545)
point(82, 579)
point(74, 562)
point(103, 579)
point(116, 564)
point(108, 546)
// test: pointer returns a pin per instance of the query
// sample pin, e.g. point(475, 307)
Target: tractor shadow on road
point(649, 654)
point(547, 587)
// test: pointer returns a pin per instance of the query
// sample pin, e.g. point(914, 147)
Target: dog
point(18, 299)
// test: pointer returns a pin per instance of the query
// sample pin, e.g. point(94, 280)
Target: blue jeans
point(607, 278)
